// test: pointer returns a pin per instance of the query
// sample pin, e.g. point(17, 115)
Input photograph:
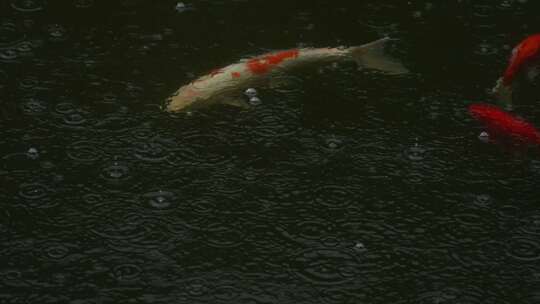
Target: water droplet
point(127, 272)
point(255, 101)
point(32, 153)
point(160, 200)
point(484, 137)
point(251, 92)
point(32, 191)
point(27, 6)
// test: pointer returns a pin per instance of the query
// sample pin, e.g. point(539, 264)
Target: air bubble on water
point(181, 7)
point(32, 153)
point(251, 92)
point(255, 101)
point(484, 137)
point(360, 248)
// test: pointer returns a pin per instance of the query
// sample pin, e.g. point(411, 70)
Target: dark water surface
point(343, 186)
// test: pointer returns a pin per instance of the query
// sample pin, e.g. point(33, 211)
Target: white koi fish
point(221, 85)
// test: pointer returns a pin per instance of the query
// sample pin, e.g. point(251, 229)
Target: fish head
point(183, 98)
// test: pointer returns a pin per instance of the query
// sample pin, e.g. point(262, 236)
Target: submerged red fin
point(503, 124)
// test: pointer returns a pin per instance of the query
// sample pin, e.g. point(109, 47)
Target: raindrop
point(56, 32)
point(32, 191)
point(255, 101)
point(160, 200)
point(33, 106)
point(482, 200)
point(115, 172)
point(32, 153)
point(27, 6)
point(251, 92)
point(127, 272)
point(333, 143)
point(415, 153)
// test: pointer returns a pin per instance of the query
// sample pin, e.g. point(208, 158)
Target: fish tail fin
point(372, 56)
point(503, 93)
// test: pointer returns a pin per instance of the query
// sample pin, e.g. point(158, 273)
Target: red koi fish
point(524, 56)
point(505, 125)
point(221, 85)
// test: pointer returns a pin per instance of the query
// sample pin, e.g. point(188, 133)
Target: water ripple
point(83, 3)
point(126, 272)
point(85, 152)
point(33, 106)
point(28, 6)
point(160, 200)
point(204, 150)
point(326, 266)
point(10, 35)
point(524, 249)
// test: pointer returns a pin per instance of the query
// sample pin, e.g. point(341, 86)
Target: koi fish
point(505, 125)
point(524, 56)
point(221, 85)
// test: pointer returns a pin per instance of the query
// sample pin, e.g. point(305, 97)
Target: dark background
point(343, 186)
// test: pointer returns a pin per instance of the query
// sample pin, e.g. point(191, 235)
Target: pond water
point(340, 186)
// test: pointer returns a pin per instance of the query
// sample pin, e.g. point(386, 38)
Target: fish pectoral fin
point(235, 102)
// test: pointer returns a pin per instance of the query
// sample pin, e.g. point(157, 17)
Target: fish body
point(524, 56)
point(221, 85)
point(505, 125)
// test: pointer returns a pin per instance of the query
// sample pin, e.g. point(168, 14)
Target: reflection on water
point(339, 186)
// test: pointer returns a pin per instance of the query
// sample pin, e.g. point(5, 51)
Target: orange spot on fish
point(265, 63)
point(236, 74)
point(525, 52)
